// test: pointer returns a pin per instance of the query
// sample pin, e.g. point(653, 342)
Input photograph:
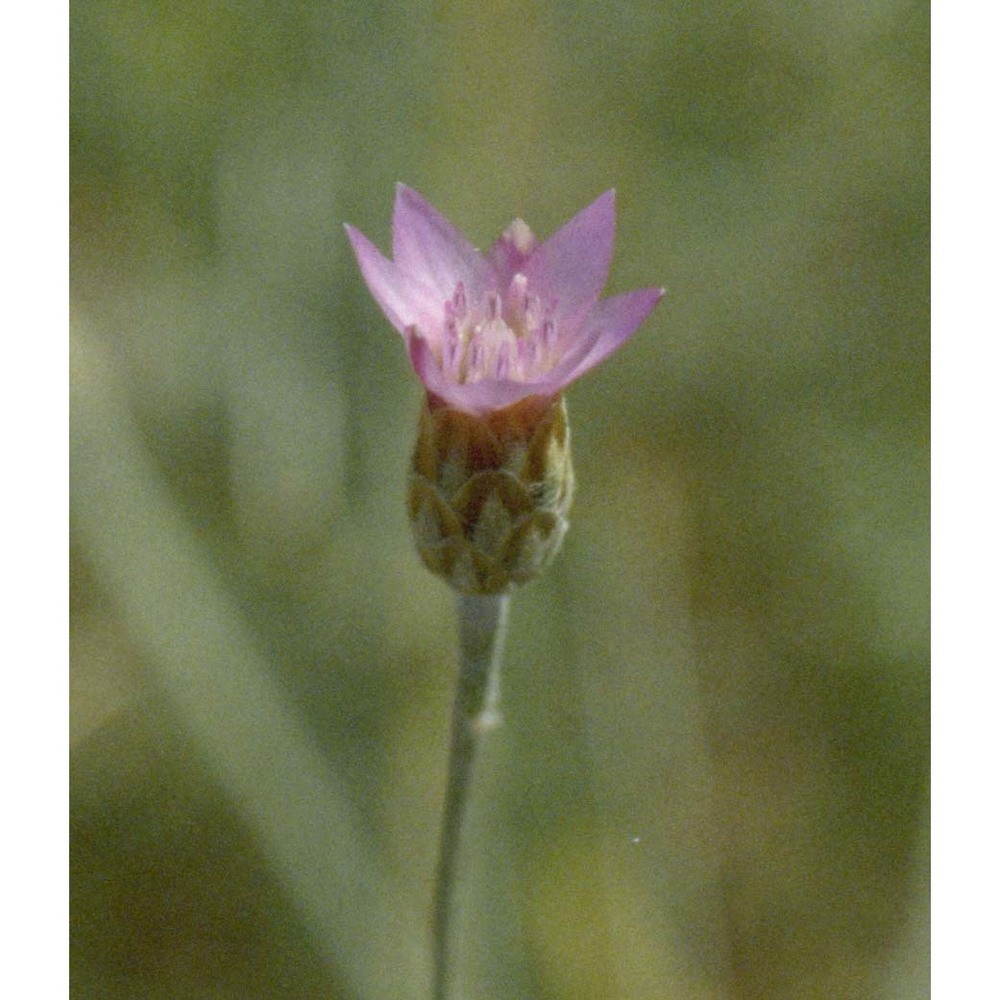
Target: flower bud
point(489, 495)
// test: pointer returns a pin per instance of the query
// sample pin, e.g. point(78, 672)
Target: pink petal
point(609, 325)
point(572, 265)
point(404, 301)
point(428, 247)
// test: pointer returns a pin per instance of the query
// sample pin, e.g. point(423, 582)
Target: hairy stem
point(482, 623)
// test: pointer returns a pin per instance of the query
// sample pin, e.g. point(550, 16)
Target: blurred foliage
point(712, 781)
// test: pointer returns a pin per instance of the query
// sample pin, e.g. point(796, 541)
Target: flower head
point(487, 331)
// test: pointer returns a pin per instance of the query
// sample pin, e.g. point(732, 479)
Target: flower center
point(510, 337)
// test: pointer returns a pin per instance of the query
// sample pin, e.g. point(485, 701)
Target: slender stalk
point(482, 623)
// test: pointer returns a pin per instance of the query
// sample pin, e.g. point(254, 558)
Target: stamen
point(451, 349)
point(532, 313)
point(514, 304)
point(527, 351)
point(517, 294)
point(548, 334)
point(502, 365)
point(474, 356)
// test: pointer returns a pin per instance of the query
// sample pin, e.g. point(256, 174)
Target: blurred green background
point(712, 782)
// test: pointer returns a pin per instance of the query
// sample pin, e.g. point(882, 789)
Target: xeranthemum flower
point(526, 319)
point(495, 338)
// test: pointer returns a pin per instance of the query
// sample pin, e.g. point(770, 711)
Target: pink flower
point(484, 332)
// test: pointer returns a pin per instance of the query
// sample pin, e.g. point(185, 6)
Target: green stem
point(482, 623)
